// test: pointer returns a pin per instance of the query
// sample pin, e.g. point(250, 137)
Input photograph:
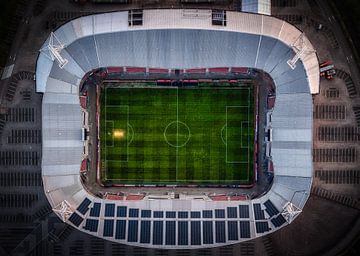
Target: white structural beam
point(54, 47)
point(290, 212)
point(64, 210)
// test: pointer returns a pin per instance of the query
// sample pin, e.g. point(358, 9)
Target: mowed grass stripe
point(151, 160)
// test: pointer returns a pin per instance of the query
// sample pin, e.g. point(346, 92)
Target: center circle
point(177, 134)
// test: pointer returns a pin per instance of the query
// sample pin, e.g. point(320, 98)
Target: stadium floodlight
point(290, 212)
point(55, 47)
point(64, 210)
point(300, 48)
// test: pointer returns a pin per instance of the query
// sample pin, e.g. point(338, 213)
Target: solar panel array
point(180, 228)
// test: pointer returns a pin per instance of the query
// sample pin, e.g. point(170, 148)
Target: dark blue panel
point(220, 231)
point(259, 214)
point(195, 215)
point(133, 231)
point(108, 228)
point(195, 233)
point(183, 233)
point(75, 219)
point(121, 211)
point(145, 213)
point(170, 214)
point(84, 206)
point(183, 215)
point(262, 226)
point(233, 230)
point(232, 212)
point(145, 231)
point(133, 212)
point(120, 229)
point(219, 213)
point(158, 214)
point(270, 208)
point(244, 211)
point(207, 214)
point(278, 221)
point(208, 232)
point(95, 211)
point(170, 232)
point(91, 225)
point(109, 210)
point(244, 229)
point(158, 232)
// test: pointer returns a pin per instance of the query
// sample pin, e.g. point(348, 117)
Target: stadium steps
point(20, 179)
point(65, 233)
point(15, 218)
point(2, 123)
point(11, 89)
point(350, 86)
point(338, 134)
point(357, 114)
point(247, 249)
point(43, 212)
point(336, 197)
point(338, 176)
point(268, 244)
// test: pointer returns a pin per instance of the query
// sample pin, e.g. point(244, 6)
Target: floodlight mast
point(290, 212)
point(55, 46)
point(300, 49)
point(64, 210)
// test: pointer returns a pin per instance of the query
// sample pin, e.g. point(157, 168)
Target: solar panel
point(208, 232)
point(183, 215)
point(262, 226)
point(233, 230)
point(207, 214)
point(220, 231)
point(183, 233)
point(84, 206)
point(195, 215)
point(158, 214)
point(109, 210)
point(75, 219)
point(270, 208)
point(244, 229)
point(158, 232)
point(120, 229)
point(121, 211)
point(170, 232)
point(278, 221)
point(244, 211)
point(259, 214)
point(195, 232)
point(133, 231)
point(145, 213)
point(145, 231)
point(95, 211)
point(108, 228)
point(232, 212)
point(170, 214)
point(91, 225)
point(219, 213)
point(133, 212)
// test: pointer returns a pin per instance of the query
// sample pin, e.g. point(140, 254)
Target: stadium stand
point(253, 41)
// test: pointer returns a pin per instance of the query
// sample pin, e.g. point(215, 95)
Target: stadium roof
point(175, 39)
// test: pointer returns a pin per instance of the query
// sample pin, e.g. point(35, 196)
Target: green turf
point(162, 135)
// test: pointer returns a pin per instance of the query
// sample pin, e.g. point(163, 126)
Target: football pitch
point(157, 135)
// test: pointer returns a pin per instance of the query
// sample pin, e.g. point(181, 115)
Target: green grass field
point(177, 135)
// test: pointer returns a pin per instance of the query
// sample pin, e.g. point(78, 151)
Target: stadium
point(178, 108)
